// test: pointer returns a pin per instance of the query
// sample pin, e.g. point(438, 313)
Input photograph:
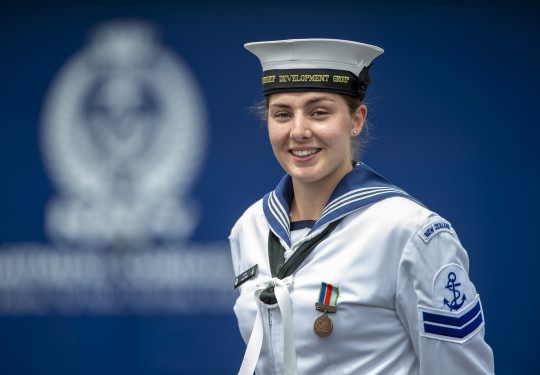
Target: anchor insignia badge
point(451, 286)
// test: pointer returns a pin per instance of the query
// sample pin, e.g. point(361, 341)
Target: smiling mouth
point(305, 153)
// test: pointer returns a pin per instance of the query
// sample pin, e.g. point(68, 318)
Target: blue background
point(454, 108)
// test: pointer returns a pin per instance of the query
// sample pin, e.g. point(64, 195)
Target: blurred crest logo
point(123, 138)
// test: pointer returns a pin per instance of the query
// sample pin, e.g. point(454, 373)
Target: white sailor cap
point(331, 65)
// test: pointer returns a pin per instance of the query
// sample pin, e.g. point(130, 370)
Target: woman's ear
point(358, 119)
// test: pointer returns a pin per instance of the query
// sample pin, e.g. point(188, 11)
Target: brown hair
point(359, 142)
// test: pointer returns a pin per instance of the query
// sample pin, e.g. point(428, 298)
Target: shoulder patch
point(456, 312)
point(453, 326)
point(452, 288)
point(434, 228)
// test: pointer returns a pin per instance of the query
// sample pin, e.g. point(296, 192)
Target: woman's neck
point(310, 199)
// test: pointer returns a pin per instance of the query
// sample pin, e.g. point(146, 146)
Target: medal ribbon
point(281, 291)
point(329, 294)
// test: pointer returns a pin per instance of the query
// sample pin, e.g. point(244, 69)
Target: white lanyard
point(281, 290)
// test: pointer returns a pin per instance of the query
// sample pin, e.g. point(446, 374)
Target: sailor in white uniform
point(339, 271)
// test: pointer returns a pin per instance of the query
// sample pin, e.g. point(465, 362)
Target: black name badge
point(245, 276)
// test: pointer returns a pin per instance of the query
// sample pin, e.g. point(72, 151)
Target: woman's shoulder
point(399, 214)
point(402, 210)
point(411, 216)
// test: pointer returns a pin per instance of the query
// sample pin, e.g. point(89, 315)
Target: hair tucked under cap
point(329, 65)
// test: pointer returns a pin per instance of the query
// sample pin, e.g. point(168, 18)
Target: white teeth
point(304, 153)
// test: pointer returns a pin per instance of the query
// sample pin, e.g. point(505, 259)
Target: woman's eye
point(320, 113)
point(281, 115)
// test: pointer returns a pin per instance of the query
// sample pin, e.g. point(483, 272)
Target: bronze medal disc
point(323, 326)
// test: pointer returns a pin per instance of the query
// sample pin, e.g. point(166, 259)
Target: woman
point(339, 271)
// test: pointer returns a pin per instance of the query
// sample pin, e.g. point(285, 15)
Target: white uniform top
point(405, 304)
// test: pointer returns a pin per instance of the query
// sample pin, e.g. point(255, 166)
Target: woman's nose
point(300, 128)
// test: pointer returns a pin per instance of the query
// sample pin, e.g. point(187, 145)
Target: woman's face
point(311, 133)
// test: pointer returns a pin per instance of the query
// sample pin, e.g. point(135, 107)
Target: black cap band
point(328, 80)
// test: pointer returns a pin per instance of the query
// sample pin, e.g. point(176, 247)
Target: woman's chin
point(306, 175)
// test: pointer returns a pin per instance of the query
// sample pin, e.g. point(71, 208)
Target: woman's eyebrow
point(280, 105)
point(319, 99)
point(309, 102)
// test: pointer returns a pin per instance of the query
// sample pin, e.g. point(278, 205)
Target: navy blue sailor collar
point(360, 187)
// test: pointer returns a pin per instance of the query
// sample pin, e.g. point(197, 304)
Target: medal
point(323, 326)
point(327, 303)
